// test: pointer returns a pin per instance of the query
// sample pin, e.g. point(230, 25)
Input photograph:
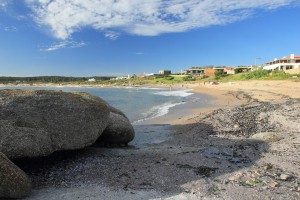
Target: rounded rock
point(119, 130)
point(14, 183)
point(38, 123)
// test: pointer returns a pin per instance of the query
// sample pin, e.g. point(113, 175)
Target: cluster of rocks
point(267, 177)
point(39, 123)
point(247, 120)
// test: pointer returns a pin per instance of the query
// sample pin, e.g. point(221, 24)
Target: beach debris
point(251, 183)
point(203, 171)
point(251, 119)
point(266, 176)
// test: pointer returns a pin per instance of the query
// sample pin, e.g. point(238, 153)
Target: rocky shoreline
point(248, 150)
point(245, 152)
point(35, 124)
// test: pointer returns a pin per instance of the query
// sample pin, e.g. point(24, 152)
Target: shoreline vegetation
point(244, 146)
point(164, 80)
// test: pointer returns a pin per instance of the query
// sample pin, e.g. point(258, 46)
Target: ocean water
point(139, 104)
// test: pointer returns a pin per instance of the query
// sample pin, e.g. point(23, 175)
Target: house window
point(289, 67)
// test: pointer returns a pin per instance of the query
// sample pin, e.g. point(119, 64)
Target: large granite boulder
point(119, 130)
point(14, 183)
point(38, 123)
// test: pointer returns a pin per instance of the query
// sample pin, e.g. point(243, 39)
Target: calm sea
point(139, 104)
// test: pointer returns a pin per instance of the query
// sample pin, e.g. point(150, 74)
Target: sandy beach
point(245, 145)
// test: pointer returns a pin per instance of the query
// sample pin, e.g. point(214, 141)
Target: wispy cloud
point(139, 53)
point(112, 35)
point(63, 45)
point(143, 17)
point(7, 28)
point(10, 28)
point(3, 4)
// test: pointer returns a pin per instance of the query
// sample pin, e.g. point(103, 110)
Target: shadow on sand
point(159, 163)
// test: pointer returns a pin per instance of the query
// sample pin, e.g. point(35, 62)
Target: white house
point(288, 62)
point(123, 77)
point(92, 80)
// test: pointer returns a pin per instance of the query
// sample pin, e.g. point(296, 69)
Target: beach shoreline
point(244, 146)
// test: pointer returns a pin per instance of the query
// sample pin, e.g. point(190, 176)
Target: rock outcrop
point(38, 123)
point(14, 183)
point(119, 130)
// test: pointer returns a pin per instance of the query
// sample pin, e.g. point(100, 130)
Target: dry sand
point(244, 146)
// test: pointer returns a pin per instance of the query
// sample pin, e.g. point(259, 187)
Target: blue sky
point(109, 37)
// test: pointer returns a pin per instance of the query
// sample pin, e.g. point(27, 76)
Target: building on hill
point(240, 69)
point(225, 70)
point(145, 75)
point(91, 80)
point(286, 63)
point(165, 72)
point(209, 70)
point(198, 71)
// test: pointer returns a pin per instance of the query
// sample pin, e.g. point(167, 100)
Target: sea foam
point(157, 111)
point(179, 93)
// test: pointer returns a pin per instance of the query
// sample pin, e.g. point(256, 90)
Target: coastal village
point(289, 64)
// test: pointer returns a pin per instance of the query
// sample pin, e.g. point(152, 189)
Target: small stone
point(255, 174)
point(284, 177)
point(232, 178)
point(267, 166)
point(236, 177)
point(187, 191)
point(273, 185)
point(268, 198)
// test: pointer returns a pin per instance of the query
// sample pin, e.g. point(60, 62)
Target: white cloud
point(10, 28)
point(142, 17)
point(112, 35)
point(3, 4)
point(63, 45)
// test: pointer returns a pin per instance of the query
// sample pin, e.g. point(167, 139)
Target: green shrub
point(188, 78)
point(238, 70)
point(218, 75)
point(256, 74)
point(169, 78)
point(279, 73)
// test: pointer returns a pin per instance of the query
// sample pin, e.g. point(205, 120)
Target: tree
point(218, 74)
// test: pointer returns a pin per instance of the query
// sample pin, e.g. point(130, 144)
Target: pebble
point(284, 177)
point(268, 198)
point(235, 177)
point(274, 185)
